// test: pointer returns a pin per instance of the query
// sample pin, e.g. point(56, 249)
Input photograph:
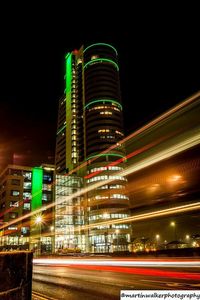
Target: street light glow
point(38, 220)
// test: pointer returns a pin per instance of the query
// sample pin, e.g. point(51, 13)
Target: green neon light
point(68, 59)
point(66, 56)
point(61, 129)
point(100, 44)
point(37, 179)
point(104, 100)
point(101, 60)
point(107, 154)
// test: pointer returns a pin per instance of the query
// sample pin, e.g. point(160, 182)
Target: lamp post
point(173, 224)
point(38, 221)
point(157, 240)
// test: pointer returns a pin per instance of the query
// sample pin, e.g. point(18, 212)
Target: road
point(104, 278)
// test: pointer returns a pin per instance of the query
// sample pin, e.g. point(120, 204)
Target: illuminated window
point(97, 178)
point(103, 130)
point(26, 196)
point(12, 228)
point(110, 137)
point(104, 107)
point(98, 197)
point(27, 185)
point(14, 193)
point(105, 113)
point(117, 177)
point(94, 57)
point(46, 187)
point(27, 206)
point(119, 216)
point(13, 215)
point(121, 226)
point(114, 168)
point(105, 177)
point(27, 175)
point(47, 178)
point(46, 197)
point(14, 203)
point(117, 186)
point(119, 196)
point(103, 187)
point(98, 169)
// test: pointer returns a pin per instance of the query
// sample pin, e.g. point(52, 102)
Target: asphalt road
point(104, 279)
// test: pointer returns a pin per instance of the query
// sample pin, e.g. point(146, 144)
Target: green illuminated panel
point(101, 60)
point(100, 44)
point(104, 100)
point(68, 92)
point(37, 179)
point(68, 59)
point(106, 154)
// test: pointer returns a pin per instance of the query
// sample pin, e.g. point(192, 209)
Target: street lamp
point(38, 221)
point(173, 224)
point(157, 239)
point(187, 237)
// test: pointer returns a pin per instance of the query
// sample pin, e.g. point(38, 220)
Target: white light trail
point(112, 262)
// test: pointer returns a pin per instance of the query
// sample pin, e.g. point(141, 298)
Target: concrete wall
point(16, 275)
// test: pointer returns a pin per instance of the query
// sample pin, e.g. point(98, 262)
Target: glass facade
point(68, 214)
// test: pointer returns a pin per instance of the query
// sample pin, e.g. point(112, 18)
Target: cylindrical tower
point(103, 130)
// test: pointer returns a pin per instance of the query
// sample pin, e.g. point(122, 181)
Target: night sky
point(159, 67)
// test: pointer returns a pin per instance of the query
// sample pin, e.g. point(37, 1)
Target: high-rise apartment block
point(88, 145)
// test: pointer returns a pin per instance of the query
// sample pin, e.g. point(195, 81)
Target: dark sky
point(159, 67)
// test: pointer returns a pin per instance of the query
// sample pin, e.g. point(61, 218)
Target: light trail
point(187, 143)
point(132, 154)
point(145, 216)
point(145, 127)
point(153, 159)
point(142, 271)
point(169, 263)
point(131, 267)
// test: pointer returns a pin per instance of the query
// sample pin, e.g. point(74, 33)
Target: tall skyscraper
point(90, 123)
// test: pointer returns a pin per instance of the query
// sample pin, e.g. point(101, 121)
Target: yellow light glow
point(38, 220)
